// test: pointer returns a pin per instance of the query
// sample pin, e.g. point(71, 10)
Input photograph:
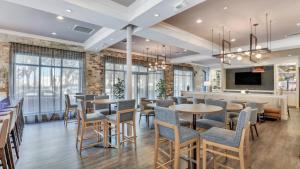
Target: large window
point(143, 81)
point(183, 80)
point(42, 76)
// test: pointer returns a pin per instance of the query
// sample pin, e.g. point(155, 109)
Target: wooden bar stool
point(125, 115)
point(68, 108)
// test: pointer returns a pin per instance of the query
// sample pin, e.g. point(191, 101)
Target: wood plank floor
point(52, 146)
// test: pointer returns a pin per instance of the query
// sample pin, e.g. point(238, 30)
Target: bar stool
point(68, 108)
point(125, 115)
point(167, 126)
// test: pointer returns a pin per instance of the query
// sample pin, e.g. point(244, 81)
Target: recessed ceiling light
point(258, 47)
point(199, 21)
point(239, 49)
point(233, 40)
point(185, 50)
point(69, 10)
point(258, 56)
point(298, 24)
point(147, 40)
point(225, 7)
point(156, 15)
point(111, 38)
point(239, 58)
point(289, 55)
point(60, 18)
point(53, 33)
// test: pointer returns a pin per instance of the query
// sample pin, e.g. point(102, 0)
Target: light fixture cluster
point(158, 64)
point(255, 52)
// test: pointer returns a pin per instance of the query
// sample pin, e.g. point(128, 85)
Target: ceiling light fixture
point(298, 24)
point(147, 40)
point(258, 56)
point(239, 58)
point(156, 15)
point(60, 18)
point(225, 7)
point(239, 49)
point(69, 10)
point(233, 40)
point(198, 21)
point(185, 50)
point(53, 33)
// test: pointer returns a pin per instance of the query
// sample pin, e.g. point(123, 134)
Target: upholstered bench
point(272, 112)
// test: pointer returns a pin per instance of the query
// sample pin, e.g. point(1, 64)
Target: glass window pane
point(47, 61)
point(26, 59)
point(71, 63)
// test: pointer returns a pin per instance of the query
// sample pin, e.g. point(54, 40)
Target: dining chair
point(197, 100)
point(165, 103)
point(220, 141)
point(69, 108)
point(125, 115)
point(253, 117)
point(182, 100)
point(145, 111)
point(232, 116)
point(167, 126)
point(96, 121)
point(216, 119)
point(103, 108)
point(172, 98)
point(6, 155)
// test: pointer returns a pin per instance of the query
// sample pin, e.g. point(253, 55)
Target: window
point(183, 79)
point(143, 81)
point(42, 76)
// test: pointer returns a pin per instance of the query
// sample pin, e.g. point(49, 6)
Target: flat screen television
point(247, 78)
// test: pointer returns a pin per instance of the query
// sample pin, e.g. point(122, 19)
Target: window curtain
point(183, 79)
point(42, 76)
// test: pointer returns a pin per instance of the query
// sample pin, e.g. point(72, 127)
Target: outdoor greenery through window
point(183, 80)
point(143, 81)
point(43, 76)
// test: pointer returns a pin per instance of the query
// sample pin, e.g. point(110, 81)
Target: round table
point(234, 107)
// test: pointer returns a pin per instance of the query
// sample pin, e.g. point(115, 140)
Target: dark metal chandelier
point(158, 65)
point(255, 52)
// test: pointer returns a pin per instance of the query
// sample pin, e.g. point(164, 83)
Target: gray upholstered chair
point(217, 119)
point(197, 100)
point(254, 117)
point(164, 103)
point(125, 115)
point(228, 140)
point(103, 108)
point(167, 126)
point(86, 120)
point(182, 100)
point(145, 111)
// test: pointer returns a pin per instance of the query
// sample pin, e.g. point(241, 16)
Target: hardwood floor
point(52, 146)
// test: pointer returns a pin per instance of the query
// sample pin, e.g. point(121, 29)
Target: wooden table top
point(104, 101)
point(234, 107)
point(196, 108)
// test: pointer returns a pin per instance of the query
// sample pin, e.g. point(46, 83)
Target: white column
point(128, 81)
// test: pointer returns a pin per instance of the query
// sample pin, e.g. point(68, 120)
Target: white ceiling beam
point(190, 58)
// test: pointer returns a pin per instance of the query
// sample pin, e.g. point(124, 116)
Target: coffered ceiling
point(124, 2)
point(234, 16)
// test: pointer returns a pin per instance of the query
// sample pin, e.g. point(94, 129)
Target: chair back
point(89, 97)
point(182, 100)
point(197, 100)
point(217, 116)
point(67, 100)
point(164, 103)
point(143, 104)
point(166, 120)
point(126, 110)
point(254, 105)
point(101, 106)
point(81, 108)
point(242, 124)
point(172, 98)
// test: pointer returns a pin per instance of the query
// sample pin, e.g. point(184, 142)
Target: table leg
point(109, 130)
point(194, 127)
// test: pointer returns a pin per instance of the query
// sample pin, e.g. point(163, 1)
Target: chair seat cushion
point(186, 134)
point(94, 116)
point(105, 111)
point(207, 123)
point(220, 135)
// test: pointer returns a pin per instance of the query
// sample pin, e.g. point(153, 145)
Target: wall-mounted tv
point(247, 78)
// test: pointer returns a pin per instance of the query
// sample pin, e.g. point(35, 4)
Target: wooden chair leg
point(256, 130)
point(118, 136)
point(134, 133)
point(81, 138)
point(147, 119)
point(14, 139)
point(3, 159)
point(242, 160)
point(176, 155)
point(123, 131)
point(198, 154)
point(78, 130)
point(204, 154)
point(8, 151)
point(251, 131)
point(156, 150)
